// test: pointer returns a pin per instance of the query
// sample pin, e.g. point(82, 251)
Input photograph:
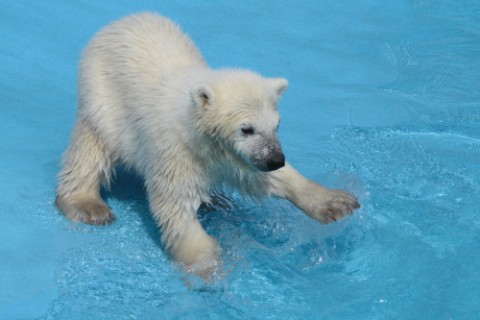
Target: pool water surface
point(383, 101)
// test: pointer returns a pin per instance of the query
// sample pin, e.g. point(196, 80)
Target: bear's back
point(144, 45)
point(123, 69)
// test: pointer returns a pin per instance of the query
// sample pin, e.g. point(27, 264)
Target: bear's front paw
point(197, 252)
point(333, 206)
point(208, 270)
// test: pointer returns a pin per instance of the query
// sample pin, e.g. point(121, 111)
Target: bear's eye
point(248, 130)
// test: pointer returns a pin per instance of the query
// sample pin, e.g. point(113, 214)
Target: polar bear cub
point(148, 100)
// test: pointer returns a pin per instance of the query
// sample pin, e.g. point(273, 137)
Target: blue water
point(384, 101)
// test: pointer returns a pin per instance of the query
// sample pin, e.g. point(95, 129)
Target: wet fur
point(148, 100)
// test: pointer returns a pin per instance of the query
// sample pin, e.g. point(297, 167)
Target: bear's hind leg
point(86, 165)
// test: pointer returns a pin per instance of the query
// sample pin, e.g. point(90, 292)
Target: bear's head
point(237, 110)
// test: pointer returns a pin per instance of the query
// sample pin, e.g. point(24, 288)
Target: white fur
point(148, 99)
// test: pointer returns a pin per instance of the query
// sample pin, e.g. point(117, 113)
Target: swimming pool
point(383, 101)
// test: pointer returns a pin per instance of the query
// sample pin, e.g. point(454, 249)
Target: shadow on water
point(128, 187)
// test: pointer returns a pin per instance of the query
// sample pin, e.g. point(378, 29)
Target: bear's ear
point(202, 95)
point(280, 85)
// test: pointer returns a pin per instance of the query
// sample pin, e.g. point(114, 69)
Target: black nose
point(276, 162)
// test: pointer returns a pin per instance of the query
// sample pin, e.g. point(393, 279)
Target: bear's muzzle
point(276, 161)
